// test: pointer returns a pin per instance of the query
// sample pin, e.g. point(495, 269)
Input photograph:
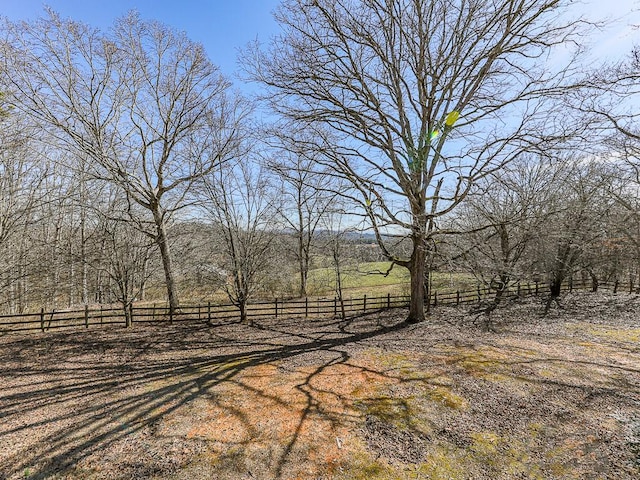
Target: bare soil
point(554, 397)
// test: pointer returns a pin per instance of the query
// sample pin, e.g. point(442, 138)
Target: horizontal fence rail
point(305, 307)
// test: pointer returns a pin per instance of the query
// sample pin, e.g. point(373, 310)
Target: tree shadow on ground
point(73, 395)
point(264, 399)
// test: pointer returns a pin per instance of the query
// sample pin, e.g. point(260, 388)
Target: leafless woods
point(460, 136)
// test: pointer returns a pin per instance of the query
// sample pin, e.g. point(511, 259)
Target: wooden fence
point(210, 312)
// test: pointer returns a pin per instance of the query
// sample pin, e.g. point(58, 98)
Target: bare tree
point(501, 219)
point(626, 218)
point(414, 101)
point(124, 261)
point(241, 204)
point(142, 101)
point(336, 229)
point(582, 205)
point(305, 201)
point(22, 171)
point(610, 107)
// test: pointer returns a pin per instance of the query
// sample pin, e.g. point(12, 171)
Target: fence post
point(457, 297)
point(364, 303)
point(306, 306)
point(276, 308)
point(435, 299)
point(209, 311)
point(42, 319)
point(335, 306)
point(388, 300)
point(130, 314)
point(86, 316)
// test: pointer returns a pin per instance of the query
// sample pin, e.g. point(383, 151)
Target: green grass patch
point(372, 277)
point(364, 275)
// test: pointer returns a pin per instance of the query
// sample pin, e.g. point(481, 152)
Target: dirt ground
point(366, 398)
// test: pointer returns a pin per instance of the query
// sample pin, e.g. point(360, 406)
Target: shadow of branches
point(69, 396)
point(273, 399)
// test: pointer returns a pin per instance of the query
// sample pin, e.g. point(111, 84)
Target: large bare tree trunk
point(242, 306)
point(417, 268)
point(303, 280)
point(165, 255)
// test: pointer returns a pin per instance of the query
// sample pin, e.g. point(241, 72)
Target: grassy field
point(368, 278)
point(367, 398)
point(357, 280)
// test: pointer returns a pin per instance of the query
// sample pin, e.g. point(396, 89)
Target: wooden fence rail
point(212, 312)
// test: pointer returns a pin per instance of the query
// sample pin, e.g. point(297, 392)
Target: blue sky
point(222, 26)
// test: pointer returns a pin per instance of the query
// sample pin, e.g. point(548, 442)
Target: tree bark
point(165, 254)
point(427, 289)
point(303, 257)
point(417, 268)
point(242, 306)
point(555, 288)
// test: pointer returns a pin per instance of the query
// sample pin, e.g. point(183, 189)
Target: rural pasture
point(554, 397)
